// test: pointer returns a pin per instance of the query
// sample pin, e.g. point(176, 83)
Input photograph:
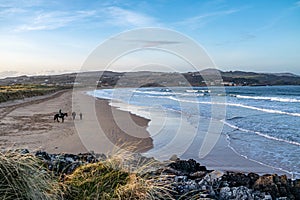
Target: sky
point(57, 36)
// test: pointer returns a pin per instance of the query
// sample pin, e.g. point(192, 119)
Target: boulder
point(236, 179)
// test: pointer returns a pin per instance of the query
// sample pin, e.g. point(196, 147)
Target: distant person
point(73, 115)
point(60, 113)
point(80, 115)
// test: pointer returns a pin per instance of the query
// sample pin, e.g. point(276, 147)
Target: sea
point(260, 123)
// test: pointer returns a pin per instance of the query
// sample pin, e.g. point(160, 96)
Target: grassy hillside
point(21, 91)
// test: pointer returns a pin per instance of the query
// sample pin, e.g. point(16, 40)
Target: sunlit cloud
point(122, 17)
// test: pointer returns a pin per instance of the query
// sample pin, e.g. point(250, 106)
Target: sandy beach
point(29, 124)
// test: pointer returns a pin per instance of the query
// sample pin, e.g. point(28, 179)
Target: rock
point(188, 167)
point(225, 193)
point(65, 163)
point(266, 184)
point(268, 197)
point(197, 175)
point(240, 193)
point(236, 179)
point(174, 158)
point(24, 151)
point(295, 190)
point(253, 177)
point(180, 178)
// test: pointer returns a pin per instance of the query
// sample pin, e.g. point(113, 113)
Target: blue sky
point(42, 36)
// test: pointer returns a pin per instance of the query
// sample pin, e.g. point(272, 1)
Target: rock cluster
point(66, 163)
point(187, 179)
point(190, 180)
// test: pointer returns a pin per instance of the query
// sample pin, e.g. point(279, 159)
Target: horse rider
point(60, 113)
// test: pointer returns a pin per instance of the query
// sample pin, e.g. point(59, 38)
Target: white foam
point(256, 161)
point(261, 134)
point(288, 100)
point(195, 91)
point(239, 105)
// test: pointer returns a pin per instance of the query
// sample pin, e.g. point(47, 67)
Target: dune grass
point(23, 177)
point(121, 176)
point(115, 179)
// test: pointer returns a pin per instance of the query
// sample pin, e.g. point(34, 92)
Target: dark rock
point(295, 190)
point(236, 179)
point(189, 166)
point(253, 177)
point(276, 186)
point(24, 151)
point(65, 163)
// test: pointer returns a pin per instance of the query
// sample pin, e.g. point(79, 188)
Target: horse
point(62, 116)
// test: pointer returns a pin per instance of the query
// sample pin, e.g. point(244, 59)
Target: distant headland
point(205, 77)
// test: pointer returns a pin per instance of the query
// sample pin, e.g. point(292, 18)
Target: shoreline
point(30, 125)
point(222, 157)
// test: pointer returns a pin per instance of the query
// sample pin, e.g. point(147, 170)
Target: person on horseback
point(60, 113)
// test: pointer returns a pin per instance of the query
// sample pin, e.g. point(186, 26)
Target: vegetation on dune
point(23, 177)
point(21, 91)
point(94, 181)
point(112, 179)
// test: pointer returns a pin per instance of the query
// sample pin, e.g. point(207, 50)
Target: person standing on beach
point(73, 115)
point(80, 115)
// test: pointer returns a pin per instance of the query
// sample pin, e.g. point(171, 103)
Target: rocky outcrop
point(190, 180)
point(187, 179)
point(66, 163)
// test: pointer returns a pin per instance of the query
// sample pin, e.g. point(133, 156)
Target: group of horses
point(62, 116)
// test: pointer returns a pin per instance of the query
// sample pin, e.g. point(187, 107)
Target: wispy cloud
point(201, 20)
point(123, 17)
point(152, 43)
point(54, 20)
point(112, 15)
point(297, 4)
point(11, 11)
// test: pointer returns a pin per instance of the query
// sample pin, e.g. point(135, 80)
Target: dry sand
point(29, 124)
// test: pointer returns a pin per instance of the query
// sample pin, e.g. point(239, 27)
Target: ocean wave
point(256, 161)
point(157, 93)
point(233, 118)
point(288, 100)
point(239, 105)
point(261, 134)
point(193, 94)
point(198, 91)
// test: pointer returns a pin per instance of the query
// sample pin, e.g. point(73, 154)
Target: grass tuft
point(115, 178)
point(24, 177)
point(95, 181)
